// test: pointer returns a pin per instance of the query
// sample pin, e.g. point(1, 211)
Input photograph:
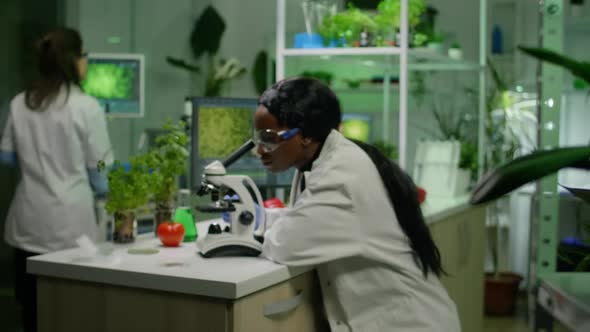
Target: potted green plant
point(458, 125)
point(205, 40)
point(129, 189)
point(389, 15)
point(322, 75)
point(515, 173)
point(435, 42)
point(345, 28)
point(167, 161)
point(455, 51)
point(502, 145)
point(389, 150)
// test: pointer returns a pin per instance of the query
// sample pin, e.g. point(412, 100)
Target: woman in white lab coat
point(353, 214)
point(56, 135)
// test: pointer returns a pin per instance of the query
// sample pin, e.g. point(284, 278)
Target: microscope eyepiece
point(237, 154)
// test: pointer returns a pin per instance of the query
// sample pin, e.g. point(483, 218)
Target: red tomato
point(171, 233)
point(273, 203)
point(421, 194)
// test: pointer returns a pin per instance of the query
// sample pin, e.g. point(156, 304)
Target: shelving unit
point(402, 58)
point(561, 295)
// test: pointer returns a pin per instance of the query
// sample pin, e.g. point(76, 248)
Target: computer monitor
point(356, 126)
point(117, 81)
point(219, 126)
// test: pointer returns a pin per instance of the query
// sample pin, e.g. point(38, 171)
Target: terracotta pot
point(501, 293)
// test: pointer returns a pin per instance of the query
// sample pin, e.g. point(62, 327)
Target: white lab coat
point(344, 224)
point(53, 204)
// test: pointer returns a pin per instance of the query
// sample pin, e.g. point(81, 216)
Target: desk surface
point(183, 270)
point(179, 269)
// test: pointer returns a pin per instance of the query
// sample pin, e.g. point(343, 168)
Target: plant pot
point(124, 230)
point(455, 53)
point(501, 293)
point(435, 46)
point(164, 212)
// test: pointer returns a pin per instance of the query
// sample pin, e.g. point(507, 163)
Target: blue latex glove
point(9, 158)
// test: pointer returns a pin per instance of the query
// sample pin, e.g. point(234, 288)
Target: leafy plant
point(580, 69)
point(352, 83)
point(537, 165)
point(388, 150)
point(346, 26)
point(205, 39)
point(436, 39)
point(259, 72)
point(468, 157)
point(504, 123)
point(390, 14)
point(167, 161)
point(129, 188)
point(324, 76)
point(457, 126)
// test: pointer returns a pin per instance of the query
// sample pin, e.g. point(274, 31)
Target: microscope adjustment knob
point(246, 218)
point(214, 228)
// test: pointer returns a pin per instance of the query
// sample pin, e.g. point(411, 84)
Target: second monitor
point(219, 126)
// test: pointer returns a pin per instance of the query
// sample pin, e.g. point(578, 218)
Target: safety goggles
point(269, 140)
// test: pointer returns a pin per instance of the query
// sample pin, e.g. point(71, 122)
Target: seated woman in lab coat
point(353, 214)
point(56, 135)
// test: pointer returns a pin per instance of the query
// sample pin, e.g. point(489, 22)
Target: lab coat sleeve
point(98, 145)
point(7, 144)
point(320, 227)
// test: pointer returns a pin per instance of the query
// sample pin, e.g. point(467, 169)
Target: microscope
point(237, 239)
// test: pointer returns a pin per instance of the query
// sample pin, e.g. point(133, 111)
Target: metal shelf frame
point(561, 295)
point(404, 55)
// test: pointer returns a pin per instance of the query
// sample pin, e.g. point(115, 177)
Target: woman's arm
point(321, 227)
point(8, 145)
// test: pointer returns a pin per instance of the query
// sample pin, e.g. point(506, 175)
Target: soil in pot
point(124, 232)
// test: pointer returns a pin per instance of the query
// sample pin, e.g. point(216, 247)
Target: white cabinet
point(69, 306)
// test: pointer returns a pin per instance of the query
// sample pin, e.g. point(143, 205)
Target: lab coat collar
point(329, 144)
point(307, 167)
point(324, 154)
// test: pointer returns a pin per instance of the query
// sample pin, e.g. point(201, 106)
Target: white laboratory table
point(178, 290)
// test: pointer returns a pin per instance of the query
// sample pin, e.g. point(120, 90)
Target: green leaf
point(584, 265)
point(182, 64)
point(520, 171)
point(583, 194)
point(207, 33)
point(501, 85)
point(260, 72)
point(321, 75)
point(565, 258)
point(579, 69)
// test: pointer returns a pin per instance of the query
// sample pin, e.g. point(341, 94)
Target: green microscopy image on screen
point(110, 81)
point(222, 130)
point(356, 128)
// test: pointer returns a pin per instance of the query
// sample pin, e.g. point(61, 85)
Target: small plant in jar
point(167, 160)
point(129, 188)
